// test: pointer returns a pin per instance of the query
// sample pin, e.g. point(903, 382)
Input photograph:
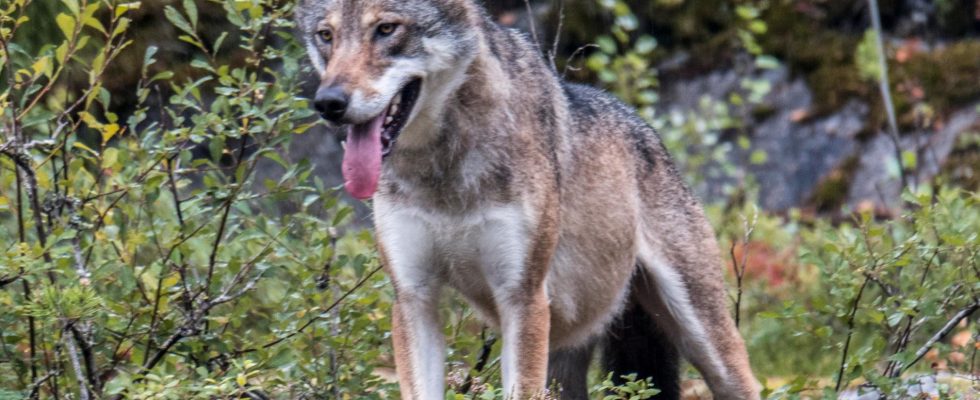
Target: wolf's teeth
point(389, 120)
point(398, 99)
point(394, 109)
point(343, 144)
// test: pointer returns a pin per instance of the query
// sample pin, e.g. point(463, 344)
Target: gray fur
point(585, 185)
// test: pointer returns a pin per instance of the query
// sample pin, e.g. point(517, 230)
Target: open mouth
point(397, 114)
point(370, 142)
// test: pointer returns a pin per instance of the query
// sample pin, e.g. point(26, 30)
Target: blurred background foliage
point(171, 227)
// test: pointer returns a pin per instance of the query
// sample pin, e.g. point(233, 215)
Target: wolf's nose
point(331, 102)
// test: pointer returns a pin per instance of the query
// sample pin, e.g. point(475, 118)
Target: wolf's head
point(384, 66)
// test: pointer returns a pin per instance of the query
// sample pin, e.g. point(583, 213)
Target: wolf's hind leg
point(686, 297)
point(636, 345)
point(569, 369)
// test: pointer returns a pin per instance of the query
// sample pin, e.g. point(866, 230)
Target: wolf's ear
point(307, 13)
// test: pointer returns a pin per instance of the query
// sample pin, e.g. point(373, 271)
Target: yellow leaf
point(42, 65)
point(108, 131)
point(82, 146)
point(241, 380)
point(61, 53)
point(121, 27)
point(171, 281)
point(125, 7)
point(67, 25)
point(110, 158)
point(95, 24)
point(90, 120)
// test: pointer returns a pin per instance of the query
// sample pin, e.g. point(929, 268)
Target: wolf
point(551, 207)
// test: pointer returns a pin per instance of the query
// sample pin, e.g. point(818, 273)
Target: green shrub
point(141, 256)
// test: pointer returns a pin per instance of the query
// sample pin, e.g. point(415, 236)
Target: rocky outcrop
point(810, 158)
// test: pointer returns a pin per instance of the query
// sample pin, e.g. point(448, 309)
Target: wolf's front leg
point(525, 324)
point(419, 348)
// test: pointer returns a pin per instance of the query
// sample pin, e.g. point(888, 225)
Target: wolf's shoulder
point(592, 106)
point(598, 114)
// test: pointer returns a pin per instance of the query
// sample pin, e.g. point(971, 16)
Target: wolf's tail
point(635, 344)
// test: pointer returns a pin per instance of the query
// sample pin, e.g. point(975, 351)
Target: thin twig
point(739, 269)
point(554, 45)
point(531, 22)
point(481, 362)
point(903, 339)
point(885, 89)
point(324, 314)
point(6, 280)
point(36, 386)
point(173, 190)
point(850, 332)
point(212, 259)
point(568, 63)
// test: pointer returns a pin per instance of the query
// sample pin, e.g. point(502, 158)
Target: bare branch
point(6, 280)
point(91, 371)
point(324, 314)
point(885, 89)
point(36, 386)
point(83, 389)
point(939, 335)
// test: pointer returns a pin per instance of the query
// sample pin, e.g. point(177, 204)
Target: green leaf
point(766, 62)
point(866, 57)
point(177, 20)
point(121, 27)
point(909, 160)
point(94, 23)
point(67, 25)
point(72, 6)
point(126, 7)
point(646, 44)
point(148, 57)
point(191, 10)
point(747, 12)
point(606, 44)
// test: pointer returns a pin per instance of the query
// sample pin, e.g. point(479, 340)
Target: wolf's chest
point(481, 254)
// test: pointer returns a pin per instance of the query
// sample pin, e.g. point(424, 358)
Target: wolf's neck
point(494, 102)
point(469, 99)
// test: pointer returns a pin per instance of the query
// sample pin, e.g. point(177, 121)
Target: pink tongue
point(362, 159)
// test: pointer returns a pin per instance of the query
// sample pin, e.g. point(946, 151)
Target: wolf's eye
point(326, 35)
point(386, 29)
